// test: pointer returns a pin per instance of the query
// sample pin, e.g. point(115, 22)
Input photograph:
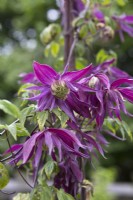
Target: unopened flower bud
point(93, 81)
point(100, 25)
point(108, 32)
point(49, 33)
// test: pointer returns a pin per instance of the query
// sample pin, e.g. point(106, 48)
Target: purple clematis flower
point(110, 99)
point(65, 141)
point(98, 14)
point(124, 25)
point(115, 97)
point(69, 176)
point(78, 6)
point(54, 89)
point(106, 97)
point(108, 68)
point(52, 139)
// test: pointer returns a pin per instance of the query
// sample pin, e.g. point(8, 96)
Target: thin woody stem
point(68, 36)
point(71, 53)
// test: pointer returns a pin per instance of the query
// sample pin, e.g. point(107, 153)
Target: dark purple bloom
point(69, 149)
point(27, 77)
point(113, 98)
point(61, 90)
point(61, 139)
point(105, 97)
point(78, 6)
point(98, 14)
point(108, 68)
point(69, 176)
point(124, 25)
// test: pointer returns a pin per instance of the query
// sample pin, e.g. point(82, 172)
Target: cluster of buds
point(106, 31)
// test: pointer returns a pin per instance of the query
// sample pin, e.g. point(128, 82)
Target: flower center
point(60, 90)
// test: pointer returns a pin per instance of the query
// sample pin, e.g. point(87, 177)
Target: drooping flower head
point(98, 14)
point(124, 25)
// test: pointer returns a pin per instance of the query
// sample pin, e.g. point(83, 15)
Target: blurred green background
point(21, 22)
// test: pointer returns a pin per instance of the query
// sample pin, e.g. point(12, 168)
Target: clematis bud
point(60, 90)
point(49, 33)
point(93, 81)
point(100, 25)
point(108, 32)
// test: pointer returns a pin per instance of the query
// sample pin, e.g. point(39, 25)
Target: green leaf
point(21, 130)
point(9, 108)
point(127, 129)
point(42, 192)
point(55, 47)
point(64, 196)
point(92, 27)
point(4, 176)
point(83, 31)
point(13, 130)
point(78, 22)
point(80, 63)
point(61, 116)
point(106, 2)
point(2, 126)
point(102, 56)
point(47, 194)
point(121, 2)
point(23, 88)
point(57, 112)
point(47, 50)
point(108, 123)
point(25, 112)
point(64, 119)
point(22, 196)
point(116, 126)
point(49, 168)
point(41, 118)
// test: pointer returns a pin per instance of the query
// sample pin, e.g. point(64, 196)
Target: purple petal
point(43, 94)
point(27, 77)
point(125, 18)
point(28, 146)
point(104, 79)
point(57, 143)
point(118, 82)
point(127, 93)
point(129, 19)
point(49, 141)
point(63, 105)
point(94, 143)
point(64, 135)
point(44, 73)
point(98, 14)
point(76, 171)
point(38, 153)
point(113, 135)
point(13, 148)
point(128, 29)
point(119, 73)
point(76, 75)
point(108, 62)
point(121, 35)
point(79, 5)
